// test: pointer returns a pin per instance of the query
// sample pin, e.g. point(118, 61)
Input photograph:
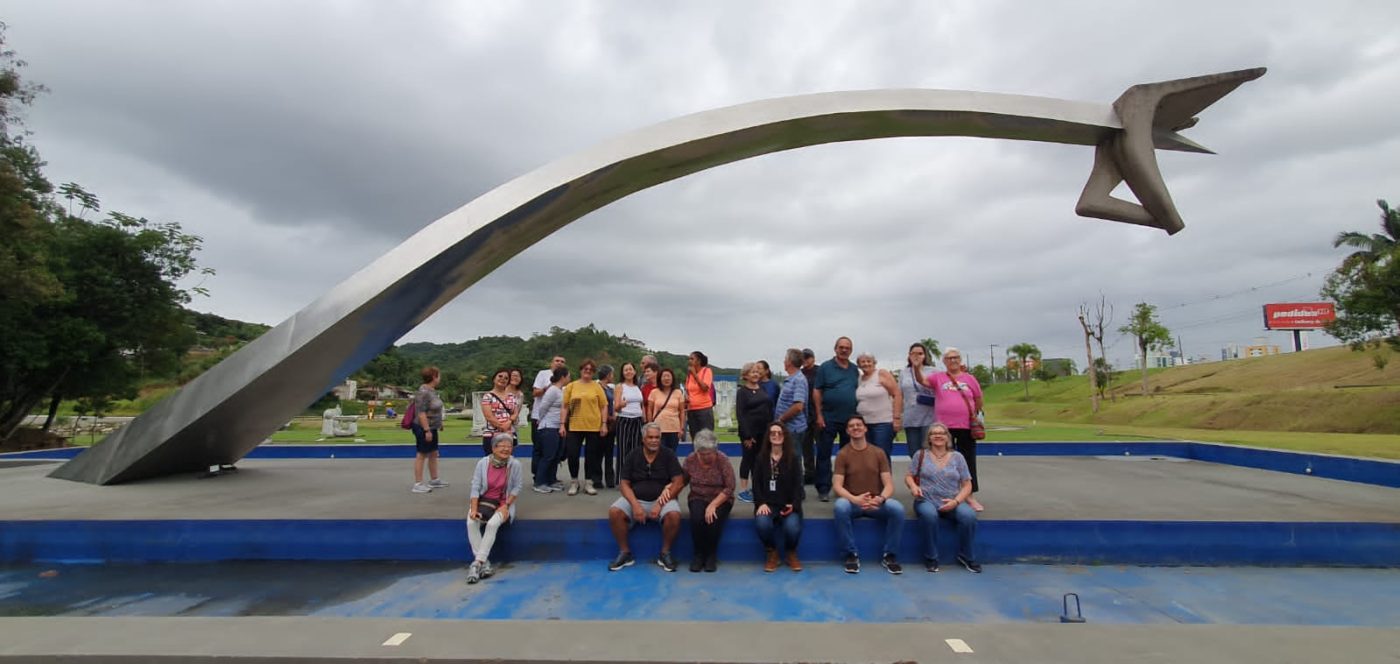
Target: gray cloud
point(304, 140)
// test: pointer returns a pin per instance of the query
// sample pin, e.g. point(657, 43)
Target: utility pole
point(992, 349)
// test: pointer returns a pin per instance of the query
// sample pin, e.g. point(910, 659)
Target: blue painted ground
point(822, 593)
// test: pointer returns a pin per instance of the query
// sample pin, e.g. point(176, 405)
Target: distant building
point(634, 343)
point(1159, 360)
point(1260, 350)
point(346, 391)
point(1058, 366)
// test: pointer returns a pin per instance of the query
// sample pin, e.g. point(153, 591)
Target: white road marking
point(399, 638)
point(958, 645)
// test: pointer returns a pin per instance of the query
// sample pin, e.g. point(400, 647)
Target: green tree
point(982, 374)
point(1147, 333)
point(1366, 286)
point(1024, 352)
point(89, 308)
point(1103, 372)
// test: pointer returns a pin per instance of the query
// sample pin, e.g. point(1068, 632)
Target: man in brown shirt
point(864, 487)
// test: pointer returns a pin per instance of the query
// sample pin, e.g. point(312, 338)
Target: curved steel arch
point(230, 409)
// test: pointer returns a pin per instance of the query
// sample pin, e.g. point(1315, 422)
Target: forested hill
point(214, 331)
point(473, 361)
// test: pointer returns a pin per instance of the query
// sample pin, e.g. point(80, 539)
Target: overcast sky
point(302, 140)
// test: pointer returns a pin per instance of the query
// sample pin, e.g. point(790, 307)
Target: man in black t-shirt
point(649, 479)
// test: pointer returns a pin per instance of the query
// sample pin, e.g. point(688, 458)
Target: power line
point(1245, 291)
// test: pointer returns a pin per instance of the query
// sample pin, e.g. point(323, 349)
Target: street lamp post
point(992, 348)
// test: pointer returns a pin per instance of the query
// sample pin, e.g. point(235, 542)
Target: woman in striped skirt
point(628, 406)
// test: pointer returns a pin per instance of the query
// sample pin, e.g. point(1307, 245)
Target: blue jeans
point(544, 456)
point(881, 435)
point(928, 519)
point(915, 439)
point(767, 525)
point(892, 513)
point(825, 438)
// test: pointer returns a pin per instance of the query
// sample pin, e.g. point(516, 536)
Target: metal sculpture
point(230, 409)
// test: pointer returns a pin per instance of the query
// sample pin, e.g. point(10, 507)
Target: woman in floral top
point(499, 408)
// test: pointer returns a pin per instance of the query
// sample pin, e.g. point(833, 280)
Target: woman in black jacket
point(777, 491)
point(753, 409)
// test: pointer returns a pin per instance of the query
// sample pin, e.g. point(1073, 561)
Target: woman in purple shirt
point(941, 484)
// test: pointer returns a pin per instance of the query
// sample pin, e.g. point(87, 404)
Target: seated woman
point(941, 483)
point(496, 486)
point(777, 496)
point(711, 480)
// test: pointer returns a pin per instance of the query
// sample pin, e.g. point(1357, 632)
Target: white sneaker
point(542, 489)
point(487, 570)
point(573, 489)
point(557, 486)
point(420, 487)
point(474, 572)
point(588, 488)
point(437, 483)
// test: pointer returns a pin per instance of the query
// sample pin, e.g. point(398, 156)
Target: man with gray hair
point(650, 479)
point(791, 408)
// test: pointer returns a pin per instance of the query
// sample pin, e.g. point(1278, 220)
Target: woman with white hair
point(711, 481)
point(957, 401)
point(496, 486)
point(880, 402)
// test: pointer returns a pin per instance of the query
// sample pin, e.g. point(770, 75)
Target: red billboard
point(1299, 315)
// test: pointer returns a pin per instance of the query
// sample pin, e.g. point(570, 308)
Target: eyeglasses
point(775, 433)
point(952, 357)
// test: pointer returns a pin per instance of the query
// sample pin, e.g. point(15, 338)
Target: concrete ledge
point(1060, 542)
point(1379, 472)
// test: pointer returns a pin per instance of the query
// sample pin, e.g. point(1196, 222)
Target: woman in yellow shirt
point(583, 421)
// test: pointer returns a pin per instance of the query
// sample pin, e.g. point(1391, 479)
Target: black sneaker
point(711, 562)
point(666, 562)
point(891, 565)
point(697, 563)
point(852, 564)
point(931, 566)
point(971, 565)
point(824, 497)
point(622, 560)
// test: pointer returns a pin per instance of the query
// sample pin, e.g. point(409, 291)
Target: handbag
point(487, 508)
point(979, 430)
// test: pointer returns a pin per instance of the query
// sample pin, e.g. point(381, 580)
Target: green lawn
point(1385, 446)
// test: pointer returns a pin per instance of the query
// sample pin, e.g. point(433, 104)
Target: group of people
point(628, 432)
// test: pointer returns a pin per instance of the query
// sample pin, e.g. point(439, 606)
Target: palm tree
point(1373, 251)
point(933, 350)
point(1025, 351)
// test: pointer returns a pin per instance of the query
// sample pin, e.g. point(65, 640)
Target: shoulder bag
point(979, 431)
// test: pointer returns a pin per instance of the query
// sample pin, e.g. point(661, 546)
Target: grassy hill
point(1326, 390)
